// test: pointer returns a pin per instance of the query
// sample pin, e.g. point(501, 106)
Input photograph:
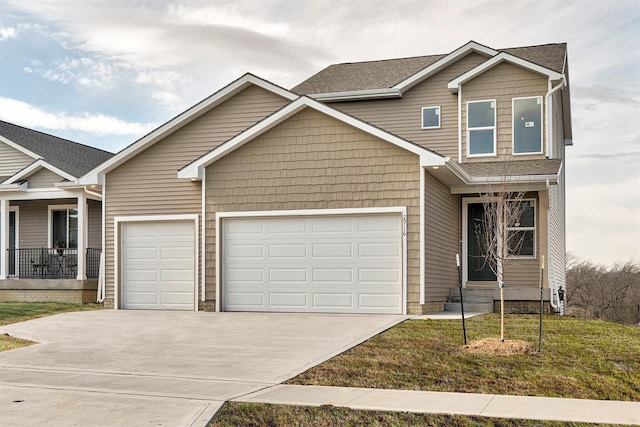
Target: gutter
point(462, 174)
point(357, 94)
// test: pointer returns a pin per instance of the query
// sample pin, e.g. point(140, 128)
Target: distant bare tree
point(595, 292)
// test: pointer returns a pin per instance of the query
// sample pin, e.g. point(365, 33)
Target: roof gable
point(195, 170)
point(70, 157)
point(390, 78)
point(96, 176)
point(34, 168)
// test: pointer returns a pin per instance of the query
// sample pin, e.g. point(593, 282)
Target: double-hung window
point(63, 229)
point(527, 125)
point(521, 228)
point(481, 128)
point(430, 117)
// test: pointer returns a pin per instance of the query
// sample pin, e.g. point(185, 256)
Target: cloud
point(7, 33)
point(600, 93)
point(27, 115)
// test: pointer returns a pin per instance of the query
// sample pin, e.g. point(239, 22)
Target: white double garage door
point(328, 263)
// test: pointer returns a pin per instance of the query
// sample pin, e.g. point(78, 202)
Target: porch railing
point(51, 263)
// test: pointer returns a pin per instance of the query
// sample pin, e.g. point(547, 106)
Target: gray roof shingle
point(513, 168)
point(73, 158)
point(355, 76)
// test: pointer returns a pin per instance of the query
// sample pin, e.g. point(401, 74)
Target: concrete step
point(470, 299)
point(485, 307)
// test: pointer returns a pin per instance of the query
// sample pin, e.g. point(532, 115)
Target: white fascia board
point(19, 148)
point(95, 176)
point(357, 94)
point(499, 58)
point(34, 167)
point(195, 170)
point(442, 63)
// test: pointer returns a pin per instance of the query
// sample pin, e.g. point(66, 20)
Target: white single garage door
point(158, 265)
point(331, 264)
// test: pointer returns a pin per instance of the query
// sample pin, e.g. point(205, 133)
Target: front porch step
point(477, 307)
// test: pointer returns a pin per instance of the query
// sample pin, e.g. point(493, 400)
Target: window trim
point(52, 208)
point(494, 128)
point(513, 126)
point(439, 114)
point(534, 229)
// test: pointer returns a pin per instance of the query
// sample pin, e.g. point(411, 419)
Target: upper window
point(64, 227)
point(527, 125)
point(521, 229)
point(430, 117)
point(481, 128)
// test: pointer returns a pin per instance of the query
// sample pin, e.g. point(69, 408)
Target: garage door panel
point(333, 275)
point(158, 265)
point(331, 300)
point(298, 250)
point(333, 250)
point(288, 299)
point(334, 261)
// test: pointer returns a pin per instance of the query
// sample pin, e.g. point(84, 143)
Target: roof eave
point(357, 95)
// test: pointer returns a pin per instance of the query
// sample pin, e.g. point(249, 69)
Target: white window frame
point(534, 229)
point(513, 126)
point(50, 222)
point(438, 113)
point(494, 128)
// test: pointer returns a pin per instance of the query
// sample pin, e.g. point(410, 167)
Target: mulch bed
point(494, 346)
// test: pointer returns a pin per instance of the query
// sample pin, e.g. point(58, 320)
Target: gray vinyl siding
point(147, 184)
point(312, 161)
point(33, 222)
point(442, 239)
point(502, 83)
point(403, 116)
point(12, 160)
point(557, 231)
point(44, 178)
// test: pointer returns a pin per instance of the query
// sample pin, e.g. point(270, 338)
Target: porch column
point(82, 236)
point(4, 239)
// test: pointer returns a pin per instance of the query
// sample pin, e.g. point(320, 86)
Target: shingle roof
point(74, 158)
point(355, 76)
point(513, 168)
point(364, 75)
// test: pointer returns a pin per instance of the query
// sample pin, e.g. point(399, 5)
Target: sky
point(106, 72)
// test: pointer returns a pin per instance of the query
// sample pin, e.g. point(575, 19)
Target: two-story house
point(351, 193)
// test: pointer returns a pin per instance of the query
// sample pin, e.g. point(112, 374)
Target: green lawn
point(257, 414)
point(580, 359)
point(583, 359)
point(13, 312)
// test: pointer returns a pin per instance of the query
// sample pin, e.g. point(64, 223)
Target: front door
point(478, 269)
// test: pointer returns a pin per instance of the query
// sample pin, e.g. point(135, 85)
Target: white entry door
point(333, 263)
point(158, 265)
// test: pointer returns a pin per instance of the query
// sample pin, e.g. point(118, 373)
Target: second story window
point(481, 128)
point(527, 125)
point(430, 117)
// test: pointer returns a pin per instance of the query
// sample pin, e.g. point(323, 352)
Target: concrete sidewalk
point(470, 404)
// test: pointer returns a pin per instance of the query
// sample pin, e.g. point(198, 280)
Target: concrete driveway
point(159, 367)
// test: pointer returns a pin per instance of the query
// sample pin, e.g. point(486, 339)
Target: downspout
point(563, 83)
point(459, 123)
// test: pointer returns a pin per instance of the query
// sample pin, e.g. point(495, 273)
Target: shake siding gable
point(147, 184)
point(503, 83)
point(312, 161)
point(12, 160)
point(403, 116)
point(442, 239)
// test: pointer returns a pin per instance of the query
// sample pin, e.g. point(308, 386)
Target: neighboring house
point(351, 193)
point(50, 226)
